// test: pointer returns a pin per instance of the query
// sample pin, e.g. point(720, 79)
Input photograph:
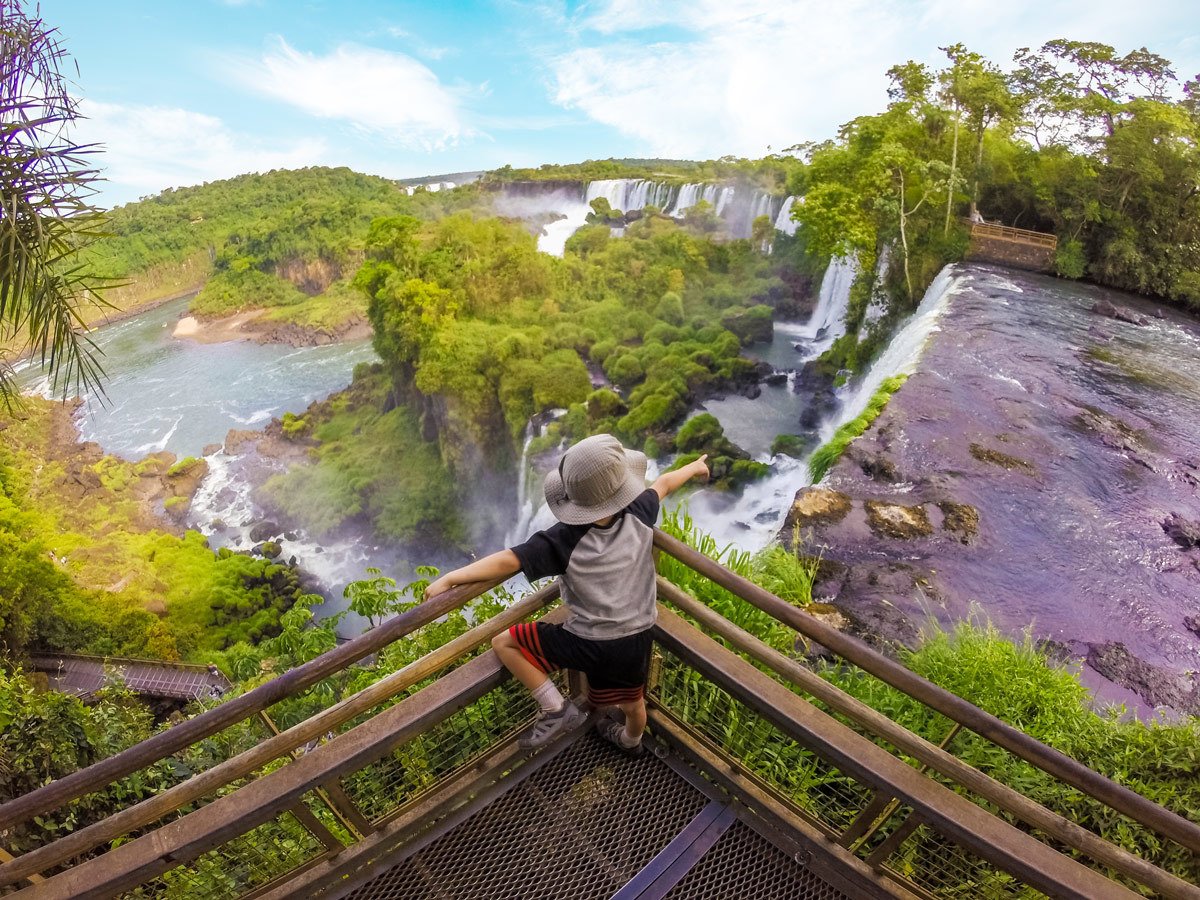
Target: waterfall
point(752, 520)
point(903, 351)
point(783, 221)
point(878, 304)
point(625, 194)
point(525, 504)
point(828, 321)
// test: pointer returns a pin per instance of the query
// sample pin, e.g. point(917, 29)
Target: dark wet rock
point(765, 516)
point(262, 531)
point(960, 519)
point(816, 506)
point(1156, 685)
point(877, 466)
point(796, 446)
point(290, 536)
point(1184, 532)
point(897, 521)
point(1159, 314)
point(752, 391)
point(1192, 624)
point(870, 595)
point(775, 379)
point(821, 407)
point(995, 457)
point(292, 560)
point(1055, 650)
point(1120, 313)
point(268, 549)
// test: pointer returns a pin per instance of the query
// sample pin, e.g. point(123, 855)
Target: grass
point(1012, 679)
point(826, 455)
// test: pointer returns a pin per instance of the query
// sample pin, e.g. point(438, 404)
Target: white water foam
point(626, 194)
point(828, 320)
point(752, 520)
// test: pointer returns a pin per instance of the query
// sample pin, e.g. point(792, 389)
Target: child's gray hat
point(595, 479)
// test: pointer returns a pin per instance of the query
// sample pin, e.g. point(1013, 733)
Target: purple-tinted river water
point(1074, 436)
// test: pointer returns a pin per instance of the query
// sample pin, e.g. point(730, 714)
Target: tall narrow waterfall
point(828, 321)
point(752, 520)
point(783, 221)
point(525, 503)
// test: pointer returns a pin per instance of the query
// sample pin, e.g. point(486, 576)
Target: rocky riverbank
point(255, 325)
point(1040, 467)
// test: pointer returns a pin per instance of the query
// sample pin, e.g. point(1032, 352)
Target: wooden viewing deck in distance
point(1016, 247)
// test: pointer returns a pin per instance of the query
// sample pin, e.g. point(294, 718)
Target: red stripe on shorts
point(614, 696)
point(520, 634)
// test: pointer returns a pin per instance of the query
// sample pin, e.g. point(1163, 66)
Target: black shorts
point(615, 669)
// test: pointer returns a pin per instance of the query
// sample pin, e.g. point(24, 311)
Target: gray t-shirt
point(607, 571)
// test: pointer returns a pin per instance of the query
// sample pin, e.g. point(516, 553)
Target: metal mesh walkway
point(83, 676)
point(584, 826)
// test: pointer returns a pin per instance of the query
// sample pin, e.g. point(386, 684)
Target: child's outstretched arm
point(501, 564)
point(670, 482)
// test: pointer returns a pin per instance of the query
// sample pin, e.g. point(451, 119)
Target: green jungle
point(476, 331)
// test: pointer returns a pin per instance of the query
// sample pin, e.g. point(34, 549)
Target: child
point(601, 547)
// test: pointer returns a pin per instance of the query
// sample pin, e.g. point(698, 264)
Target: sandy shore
point(215, 331)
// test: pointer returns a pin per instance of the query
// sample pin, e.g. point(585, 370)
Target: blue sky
point(186, 91)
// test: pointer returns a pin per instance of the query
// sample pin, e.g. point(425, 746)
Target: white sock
point(548, 697)
point(628, 740)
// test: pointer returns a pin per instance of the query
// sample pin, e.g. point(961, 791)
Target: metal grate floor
point(581, 828)
point(744, 864)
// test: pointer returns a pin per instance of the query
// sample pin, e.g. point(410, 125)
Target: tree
point(47, 184)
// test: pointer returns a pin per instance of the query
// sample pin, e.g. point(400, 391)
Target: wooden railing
point(897, 799)
point(1013, 235)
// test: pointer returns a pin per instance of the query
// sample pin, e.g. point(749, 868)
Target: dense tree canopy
point(1100, 148)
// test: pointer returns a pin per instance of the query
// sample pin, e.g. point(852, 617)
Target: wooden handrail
point(165, 743)
point(201, 785)
point(176, 843)
point(955, 708)
point(959, 819)
point(1009, 233)
point(938, 759)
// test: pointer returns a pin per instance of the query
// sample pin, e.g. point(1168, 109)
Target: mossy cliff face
point(1042, 483)
point(98, 560)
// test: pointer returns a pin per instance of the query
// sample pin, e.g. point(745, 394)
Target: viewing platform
point(83, 676)
point(1016, 247)
point(761, 780)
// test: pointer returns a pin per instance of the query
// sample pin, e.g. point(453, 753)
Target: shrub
point(825, 456)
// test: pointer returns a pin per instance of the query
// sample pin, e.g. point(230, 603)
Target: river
point(162, 393)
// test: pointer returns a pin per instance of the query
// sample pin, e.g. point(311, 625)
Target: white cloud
point(149, 148)
point(747, 74)
point(381, 93)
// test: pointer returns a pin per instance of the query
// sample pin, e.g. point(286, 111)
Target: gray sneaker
point(550, 725)
point(611, 727)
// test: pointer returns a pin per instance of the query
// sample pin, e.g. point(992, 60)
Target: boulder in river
point(1184, 532)
point(1120, 313)
point(268, 549)
point(1154, 684)
point(262, 531)
point(897, 521)
point(816, 506)
point(960, 519)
